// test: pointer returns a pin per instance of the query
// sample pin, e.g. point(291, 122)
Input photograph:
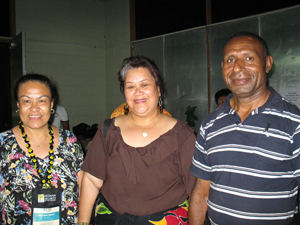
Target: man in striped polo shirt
point(247, 151)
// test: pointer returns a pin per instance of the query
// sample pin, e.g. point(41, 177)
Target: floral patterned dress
point(18, 178)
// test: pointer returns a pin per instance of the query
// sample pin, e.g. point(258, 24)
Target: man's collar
point(272, 102)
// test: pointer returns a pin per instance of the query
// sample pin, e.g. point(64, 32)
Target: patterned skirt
point(106, 215)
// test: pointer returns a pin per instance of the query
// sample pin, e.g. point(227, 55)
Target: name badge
point(46, 206)
point(46, 216)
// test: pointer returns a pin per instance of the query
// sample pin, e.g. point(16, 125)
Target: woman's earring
point(52, 111)
point(126, 109)
point(17, 111)
point(160, 105)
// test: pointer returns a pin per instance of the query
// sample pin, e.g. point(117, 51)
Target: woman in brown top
point(143, 163)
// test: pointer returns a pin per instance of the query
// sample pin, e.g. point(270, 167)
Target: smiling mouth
point(140, 100)
point(35, 116)
point(240, 81)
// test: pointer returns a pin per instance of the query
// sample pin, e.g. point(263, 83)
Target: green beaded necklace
point(45, 180)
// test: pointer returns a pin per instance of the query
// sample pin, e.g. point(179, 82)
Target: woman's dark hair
point(135, 62)
point(34, 78)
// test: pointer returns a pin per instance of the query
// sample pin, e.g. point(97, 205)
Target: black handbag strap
point(105, 128)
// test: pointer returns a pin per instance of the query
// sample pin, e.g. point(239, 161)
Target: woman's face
point(141, 92)
point(34, 103)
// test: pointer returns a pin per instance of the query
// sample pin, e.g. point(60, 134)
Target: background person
point(143, 166)
point(247, 152)
point(38, 159)
point(60, 116)
point(221, 95)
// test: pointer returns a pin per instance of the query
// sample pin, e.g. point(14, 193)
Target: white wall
point(66, 40)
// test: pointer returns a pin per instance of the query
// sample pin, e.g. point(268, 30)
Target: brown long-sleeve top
point(144, 180)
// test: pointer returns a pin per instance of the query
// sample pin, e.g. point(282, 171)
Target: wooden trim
point(12, 17)
point(132, 23)
point(208, 21)
point(208, 12)
point(208, 68)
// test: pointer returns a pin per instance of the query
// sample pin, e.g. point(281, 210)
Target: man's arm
point(198, 205)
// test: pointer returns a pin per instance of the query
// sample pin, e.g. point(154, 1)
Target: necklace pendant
point(38, 146)
point(46, 186)
point(145, 134)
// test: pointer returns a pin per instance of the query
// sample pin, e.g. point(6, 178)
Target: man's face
point(244, 67)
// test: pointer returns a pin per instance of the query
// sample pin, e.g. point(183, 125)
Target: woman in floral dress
point(39, 163)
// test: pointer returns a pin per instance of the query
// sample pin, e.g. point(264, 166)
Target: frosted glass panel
point(282, 33)
point(186, 74)
point(153, 49)
point(182, 57)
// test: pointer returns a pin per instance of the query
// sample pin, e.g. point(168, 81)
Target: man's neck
point(244, 106)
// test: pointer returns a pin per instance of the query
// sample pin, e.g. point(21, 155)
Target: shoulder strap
point(105, 128)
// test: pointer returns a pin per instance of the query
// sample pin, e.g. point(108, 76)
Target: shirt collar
point(271, 103)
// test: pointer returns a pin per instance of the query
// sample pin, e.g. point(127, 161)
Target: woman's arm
point(90, 187)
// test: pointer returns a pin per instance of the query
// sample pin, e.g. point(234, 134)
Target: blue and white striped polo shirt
point(254, 166)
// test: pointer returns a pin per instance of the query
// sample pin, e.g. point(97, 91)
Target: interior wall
point(65, 40)
point(117, 41)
